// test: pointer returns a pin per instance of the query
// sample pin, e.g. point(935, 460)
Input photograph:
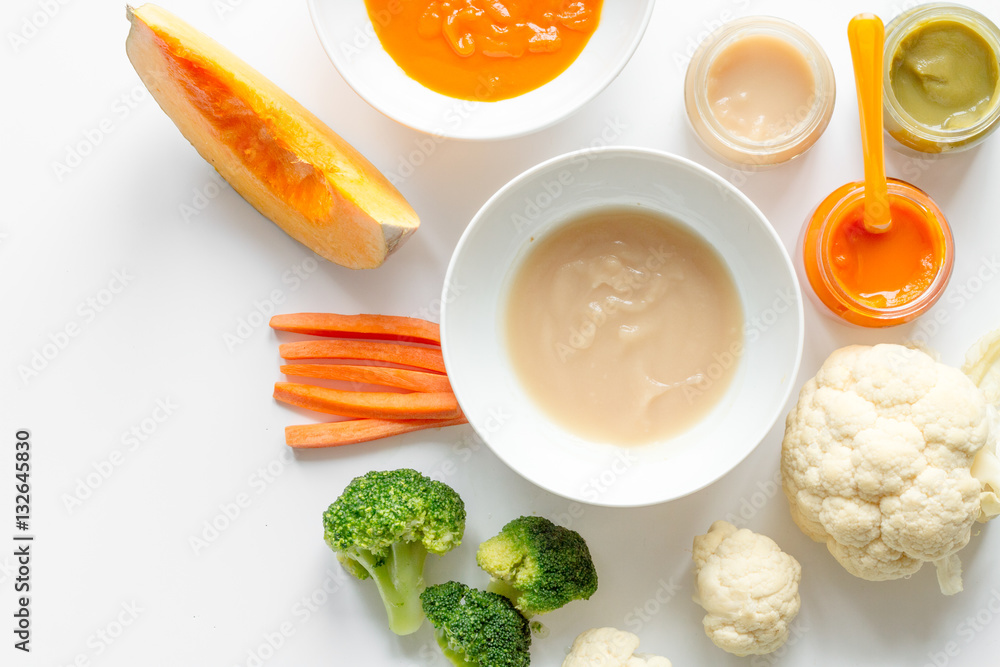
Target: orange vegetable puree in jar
point(878, 279)
point(889, 269)
point(484, 50)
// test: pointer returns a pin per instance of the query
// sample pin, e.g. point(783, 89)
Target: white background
point(193, 274)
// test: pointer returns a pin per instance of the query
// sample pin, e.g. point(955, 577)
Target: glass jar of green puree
point(942, 78)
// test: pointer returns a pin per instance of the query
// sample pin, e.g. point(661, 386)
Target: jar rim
point(920, 303)
point(808, 126)
point(898, 29)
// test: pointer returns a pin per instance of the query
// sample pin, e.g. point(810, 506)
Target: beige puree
point(624, 326)
point(760, 88)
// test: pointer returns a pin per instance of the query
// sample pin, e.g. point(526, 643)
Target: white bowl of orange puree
point(479, 69)
point(621, 326)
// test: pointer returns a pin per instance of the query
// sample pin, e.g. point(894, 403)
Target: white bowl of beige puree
point(621, 326)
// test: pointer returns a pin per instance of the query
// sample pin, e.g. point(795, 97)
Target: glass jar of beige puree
point(759, 91)
point(941, 78)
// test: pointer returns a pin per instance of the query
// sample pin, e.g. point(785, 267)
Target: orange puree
point(484, 50)
point(878, 280)
point(889, 269)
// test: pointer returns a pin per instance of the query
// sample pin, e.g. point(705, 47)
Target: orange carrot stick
point(334, 434)
point(400, 378)
point(381, 327)
point(397, 353)
point(377, 404)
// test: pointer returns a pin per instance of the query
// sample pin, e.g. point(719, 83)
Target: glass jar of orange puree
point(877, 279)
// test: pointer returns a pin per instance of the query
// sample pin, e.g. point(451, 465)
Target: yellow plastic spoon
point(867, 37)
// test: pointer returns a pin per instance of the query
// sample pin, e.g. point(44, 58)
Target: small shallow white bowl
point(349, 39)
point(475, 350)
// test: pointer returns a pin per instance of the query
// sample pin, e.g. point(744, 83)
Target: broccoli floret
point(476, 628)
point(540, 566)
point(383, 526)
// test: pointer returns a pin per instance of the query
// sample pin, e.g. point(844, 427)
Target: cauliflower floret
point(609, 647)
point(749, 588)
point(877, 462)
point(982, 365)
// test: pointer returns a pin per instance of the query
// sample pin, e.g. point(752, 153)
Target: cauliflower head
point(749, 588)
point(609, 647)
point(877, 462)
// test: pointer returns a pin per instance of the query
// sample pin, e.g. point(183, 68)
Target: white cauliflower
point(877, 462)
point(608, 647)
point(982, 365)
point(749, 588)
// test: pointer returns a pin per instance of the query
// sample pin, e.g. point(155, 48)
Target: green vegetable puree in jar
point(945, 75)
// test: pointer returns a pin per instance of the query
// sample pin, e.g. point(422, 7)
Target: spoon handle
point(867, 37)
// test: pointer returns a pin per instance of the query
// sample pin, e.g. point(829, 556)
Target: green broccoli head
point(540, 566)
point(384, 524)
point(476, 628)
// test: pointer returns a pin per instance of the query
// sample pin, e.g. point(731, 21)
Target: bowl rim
point(626, 152)
point(538, 122)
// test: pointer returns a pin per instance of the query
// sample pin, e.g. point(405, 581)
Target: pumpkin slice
point(281, 158)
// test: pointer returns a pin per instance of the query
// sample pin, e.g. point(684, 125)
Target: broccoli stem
point(400, 582)
point(457, 658)
point(506, 589)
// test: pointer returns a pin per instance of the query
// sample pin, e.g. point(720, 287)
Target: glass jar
point(921, 137)
point(817, 255)
point(801, 124)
